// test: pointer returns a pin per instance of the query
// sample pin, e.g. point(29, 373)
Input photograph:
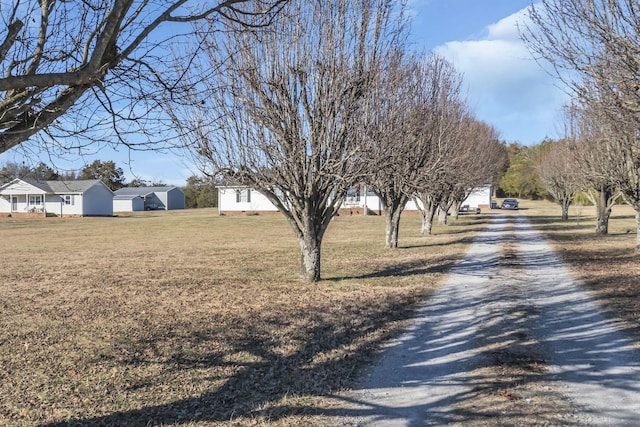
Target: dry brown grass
point(607, 264)
point(188, 318)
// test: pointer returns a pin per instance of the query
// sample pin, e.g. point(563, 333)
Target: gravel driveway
point(509, 339)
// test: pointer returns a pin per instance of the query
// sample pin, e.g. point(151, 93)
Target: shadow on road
point(487, 320)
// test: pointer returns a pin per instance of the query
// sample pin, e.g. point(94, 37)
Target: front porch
point(23, 204)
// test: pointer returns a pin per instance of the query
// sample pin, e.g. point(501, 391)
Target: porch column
point(365, 199)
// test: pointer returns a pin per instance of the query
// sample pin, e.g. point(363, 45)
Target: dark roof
point(60, 187)
point(126, 197)
point(142, 191)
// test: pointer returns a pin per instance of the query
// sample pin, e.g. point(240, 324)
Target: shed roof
point(126, 197)
point(142, 191)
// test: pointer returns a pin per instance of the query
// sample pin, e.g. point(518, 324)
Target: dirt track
point(509, 339)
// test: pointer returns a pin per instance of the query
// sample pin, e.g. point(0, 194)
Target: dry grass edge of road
point(607, 265)
point(189, 318)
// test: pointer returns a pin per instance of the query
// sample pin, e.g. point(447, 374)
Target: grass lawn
point(185, 317)
point(607, 264)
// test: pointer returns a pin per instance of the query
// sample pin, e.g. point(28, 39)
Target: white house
point(479, 197)
point(238, 199)
point(129, 199)
point(82, 197)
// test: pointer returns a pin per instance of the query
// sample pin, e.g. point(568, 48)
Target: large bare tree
point(284, 115)
point(84, 71)
point(404, 129)
point(595, 47)
point(469, 156)
point(479, 159)
point(561, 174)
point(596, 149)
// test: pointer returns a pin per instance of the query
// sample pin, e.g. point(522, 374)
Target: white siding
point(98, 201)
point(134, 204)
point(480, 197)
point(174, 199)
point(4, 205)
point(228, 201)
point(56, 204)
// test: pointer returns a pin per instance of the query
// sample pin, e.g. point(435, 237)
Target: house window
point(243, 196)
point(353, 197)
point(35, 200)
point(68, 199)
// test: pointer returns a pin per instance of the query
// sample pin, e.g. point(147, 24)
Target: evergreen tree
point(107, 172)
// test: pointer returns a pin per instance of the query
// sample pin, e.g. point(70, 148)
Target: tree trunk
point(392, 227)
point(427, 223)
point(456, 210)
point(309, 230)
point(310, 257)
point(427, 214)
point(392, 212)
point(442, 216)
point(637, 209)
point(602, 222)
point(603, 209)
point(565, 209)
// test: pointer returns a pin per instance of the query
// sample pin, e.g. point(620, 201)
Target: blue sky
point(505, 87)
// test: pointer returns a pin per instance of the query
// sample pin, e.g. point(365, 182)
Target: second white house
point(239, 199)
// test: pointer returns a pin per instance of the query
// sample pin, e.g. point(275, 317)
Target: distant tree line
point(200, 192)
point(520, 176)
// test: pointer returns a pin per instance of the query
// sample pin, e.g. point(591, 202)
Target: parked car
point(467, 209)
point(509, 204)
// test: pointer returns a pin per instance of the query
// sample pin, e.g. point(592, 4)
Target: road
point(510, 338)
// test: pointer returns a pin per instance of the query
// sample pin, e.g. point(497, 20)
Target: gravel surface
point(509, 339)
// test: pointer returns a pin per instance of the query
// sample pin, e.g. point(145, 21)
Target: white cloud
point(507, 87)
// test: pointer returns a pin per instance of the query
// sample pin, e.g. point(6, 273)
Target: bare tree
point(593, 146)
point(479, 158)
point(283, 116)
point(403, 126)
point(95, 62)
point(561, 174)
point(594, 45)
point(470, 160)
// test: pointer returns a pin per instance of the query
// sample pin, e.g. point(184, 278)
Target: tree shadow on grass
point(267, 374)
point(404, 269)
point(431, 244)
point(327, 354)
point(555, 223)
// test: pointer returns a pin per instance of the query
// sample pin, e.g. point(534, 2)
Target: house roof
point(142, 191)
point(59, 187)
point(30, 186)
point(55, 187)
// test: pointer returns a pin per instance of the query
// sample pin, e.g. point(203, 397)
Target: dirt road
point(509, 339)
